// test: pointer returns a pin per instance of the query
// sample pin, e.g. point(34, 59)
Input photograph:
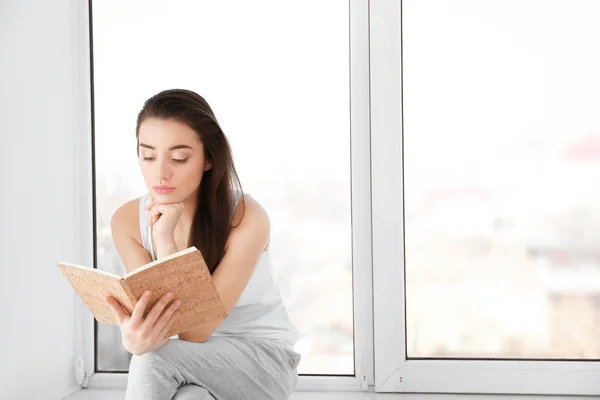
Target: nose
point(164, 170)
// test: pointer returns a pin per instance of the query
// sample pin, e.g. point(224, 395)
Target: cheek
point(145, 170)
point(190, 174)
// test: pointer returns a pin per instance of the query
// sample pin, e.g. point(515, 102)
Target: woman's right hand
point(163, 218)
point(142, 335)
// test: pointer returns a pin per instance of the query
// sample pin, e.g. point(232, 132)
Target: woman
point(195, 199)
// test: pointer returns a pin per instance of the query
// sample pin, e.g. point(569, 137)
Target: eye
point(180, 161)
point(147, 158)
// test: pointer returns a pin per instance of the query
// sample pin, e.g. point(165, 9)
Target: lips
point(163, 189)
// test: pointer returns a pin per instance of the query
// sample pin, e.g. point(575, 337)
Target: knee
point(146, 365)
point(152, 364)
point(151, 376)
point(152, 372)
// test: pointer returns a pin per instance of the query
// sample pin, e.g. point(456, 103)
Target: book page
point(162, 260)
point(93, 286)
point(187, 276)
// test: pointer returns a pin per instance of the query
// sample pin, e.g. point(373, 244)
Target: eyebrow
point(179, 146)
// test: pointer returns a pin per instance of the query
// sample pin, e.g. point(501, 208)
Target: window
point(469, 154)
point(496, 169)
point(512, 216)
point(277, 76)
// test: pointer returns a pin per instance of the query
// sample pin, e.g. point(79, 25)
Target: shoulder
point(125, 230)
point(248, 209)
point(126, 220)
point(249, 218)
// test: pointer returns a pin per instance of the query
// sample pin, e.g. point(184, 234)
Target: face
point(171, 158)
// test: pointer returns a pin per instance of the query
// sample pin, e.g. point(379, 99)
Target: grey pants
point(222, 368)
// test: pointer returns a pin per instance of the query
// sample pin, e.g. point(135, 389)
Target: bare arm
point(139, 335)
point(123, 222)
point(245, 244)
point(165, 248)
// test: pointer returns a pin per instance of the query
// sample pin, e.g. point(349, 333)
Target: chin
point(167, 198)
point(157, 196)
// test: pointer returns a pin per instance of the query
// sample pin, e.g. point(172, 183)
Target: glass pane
point(280, 91)
point(502, 188)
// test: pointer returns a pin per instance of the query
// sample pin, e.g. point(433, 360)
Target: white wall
point(37, 198)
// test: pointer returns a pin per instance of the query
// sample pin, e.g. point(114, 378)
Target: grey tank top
point(260, 312)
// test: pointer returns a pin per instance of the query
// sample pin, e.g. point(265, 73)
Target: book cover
point(184, 273)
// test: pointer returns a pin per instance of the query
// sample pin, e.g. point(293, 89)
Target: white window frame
point(361, 205)
point(394, 372)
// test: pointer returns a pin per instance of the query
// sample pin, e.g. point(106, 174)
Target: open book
point(184, 273)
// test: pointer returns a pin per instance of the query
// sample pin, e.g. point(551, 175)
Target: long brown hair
point(212, 219)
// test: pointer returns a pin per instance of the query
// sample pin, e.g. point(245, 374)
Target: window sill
point(119, 394)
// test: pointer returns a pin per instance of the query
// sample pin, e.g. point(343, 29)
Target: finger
point(153, 216)
point(161, 209)
point(166, 316)
point(150, 214)
point(164, 208)
point(157, 310)
point(149, 206)
point(118, 311)
point(168, 325)
point(140, 307)
point(156, 216)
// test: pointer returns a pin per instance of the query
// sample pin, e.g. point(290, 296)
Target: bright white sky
point(482, 81)
point(275, 73)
